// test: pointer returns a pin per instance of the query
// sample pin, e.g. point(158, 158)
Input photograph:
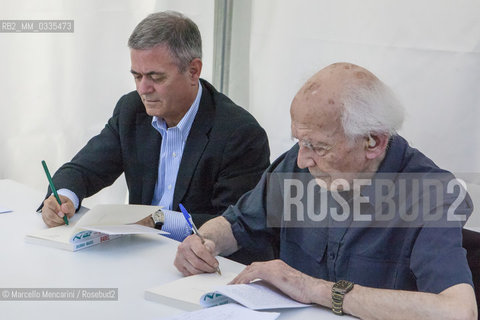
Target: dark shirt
point(407, 255)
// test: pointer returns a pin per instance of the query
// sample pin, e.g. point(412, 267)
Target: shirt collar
point(186, 123)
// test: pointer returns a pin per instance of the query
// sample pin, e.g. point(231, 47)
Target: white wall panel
point(427, 51)
point(59, 89)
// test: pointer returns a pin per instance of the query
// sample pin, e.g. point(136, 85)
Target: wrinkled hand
point(295, 284)
point(52, 212)
point(194, 257)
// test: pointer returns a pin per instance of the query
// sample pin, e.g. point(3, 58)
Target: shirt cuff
point(70, 195)
point(176, 225)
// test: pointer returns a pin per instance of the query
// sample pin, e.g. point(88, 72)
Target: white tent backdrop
point(58, 90)
point(427, 51)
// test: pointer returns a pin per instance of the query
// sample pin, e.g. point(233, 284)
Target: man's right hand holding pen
point(197, 256)
point(52, 212)
point(210, 245)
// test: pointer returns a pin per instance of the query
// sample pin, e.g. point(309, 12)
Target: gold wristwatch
point(158, 218)
point(339, 290)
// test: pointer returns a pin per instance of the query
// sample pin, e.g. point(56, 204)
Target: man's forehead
point(315, 107)
point(315, 118)
point(315, 129)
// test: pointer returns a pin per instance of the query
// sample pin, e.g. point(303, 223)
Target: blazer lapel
point(148, 142)
point(194, 146)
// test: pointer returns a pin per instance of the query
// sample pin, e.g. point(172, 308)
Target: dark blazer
point(224, 156)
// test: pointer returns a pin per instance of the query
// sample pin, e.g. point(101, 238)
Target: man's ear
point(194, 69)
point(375, 145)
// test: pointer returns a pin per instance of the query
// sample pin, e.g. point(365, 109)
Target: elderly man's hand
point(290, 281)
point(195, 257)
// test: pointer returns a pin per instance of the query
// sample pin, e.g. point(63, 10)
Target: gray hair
point(370, 108)
point(170, 28)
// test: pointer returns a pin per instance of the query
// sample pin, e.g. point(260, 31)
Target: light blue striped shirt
point(171, 151)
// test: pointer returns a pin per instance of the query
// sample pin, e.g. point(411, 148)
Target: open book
point(258, 295)
point(101, 223)
point(210, 289)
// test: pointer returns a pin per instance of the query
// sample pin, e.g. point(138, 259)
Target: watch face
point(158, 216)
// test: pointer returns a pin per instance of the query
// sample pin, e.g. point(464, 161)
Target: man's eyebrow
point(151, 73)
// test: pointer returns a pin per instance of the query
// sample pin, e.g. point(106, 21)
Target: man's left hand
point(290, 281)
point(147, 222)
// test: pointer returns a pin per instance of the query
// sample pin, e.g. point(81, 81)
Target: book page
point(106, 214)
point(231, 311)
point(256, 296)
point(125, 229)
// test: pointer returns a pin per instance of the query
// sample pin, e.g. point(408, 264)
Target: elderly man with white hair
point(390, 267)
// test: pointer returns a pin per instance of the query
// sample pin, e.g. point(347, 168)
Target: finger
point(187, 261)
point(181, 264)
point(210, 245)
point(68, 209)
point(200, 258)
point(182, 269)
point(190, 269)
point(204, 252)
point(52, 204)
point(248, 274)
point(49, 215)
point(51, 219)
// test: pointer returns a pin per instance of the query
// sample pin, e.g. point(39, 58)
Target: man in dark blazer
point(222, 149)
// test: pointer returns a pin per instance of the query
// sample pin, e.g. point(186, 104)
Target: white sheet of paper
point(231, 311)
point(4, 210)
point(124, 229)
point(256, 296)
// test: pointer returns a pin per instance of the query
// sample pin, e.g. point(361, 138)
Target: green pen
point(50, 181)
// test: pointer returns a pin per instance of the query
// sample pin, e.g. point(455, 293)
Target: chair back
point(471, 242)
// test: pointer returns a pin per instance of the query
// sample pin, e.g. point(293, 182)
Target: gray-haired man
point(176, 138)
point(406, 263)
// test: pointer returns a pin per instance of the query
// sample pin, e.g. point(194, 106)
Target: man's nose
point(304, 158)
point(144, 86)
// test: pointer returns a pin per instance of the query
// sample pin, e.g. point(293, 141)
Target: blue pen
point(194, 228)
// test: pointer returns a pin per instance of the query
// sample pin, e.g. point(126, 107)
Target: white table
point(131, 264)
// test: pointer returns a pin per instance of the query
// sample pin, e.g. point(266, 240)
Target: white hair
point(369, 109)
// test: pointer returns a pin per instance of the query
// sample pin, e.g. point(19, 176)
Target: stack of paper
point(185, 293)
